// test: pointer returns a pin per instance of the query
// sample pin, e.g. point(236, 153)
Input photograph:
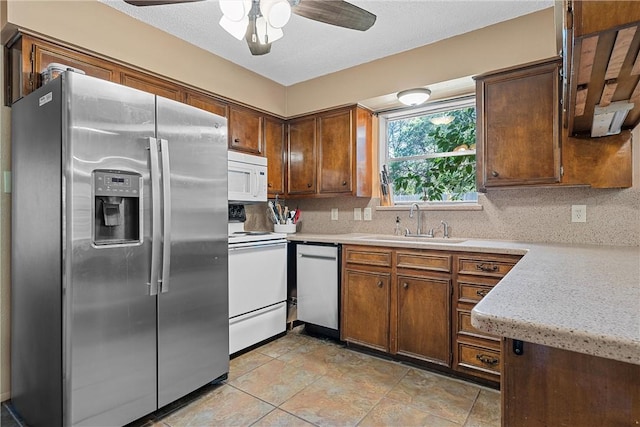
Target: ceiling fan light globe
point(277, 12)
point(237, 29)
point(235, 10)
point(414, 97)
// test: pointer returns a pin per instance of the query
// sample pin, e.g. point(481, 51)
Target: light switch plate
point(334, 214)
point(357, 214)
point(367, 214)
point(578, 213)
point(6, 181)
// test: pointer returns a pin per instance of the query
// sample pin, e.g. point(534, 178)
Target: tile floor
point(298, 380)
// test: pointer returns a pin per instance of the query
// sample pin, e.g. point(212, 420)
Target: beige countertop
point(583, 298)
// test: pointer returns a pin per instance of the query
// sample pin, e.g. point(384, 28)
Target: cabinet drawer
point(479, 358)
point(473, 289)
point(367, 256)
point(466, 328)
point(484, 267)
point(429, 261)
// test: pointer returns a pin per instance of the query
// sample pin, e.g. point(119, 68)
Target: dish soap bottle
point(397, 231)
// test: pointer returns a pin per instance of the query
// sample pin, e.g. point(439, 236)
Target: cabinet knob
point(380, 283)
point(236, 140)
point(495, 174)
point(405, 285)
point(344, 182)
point(309, 185)
point(270, 185)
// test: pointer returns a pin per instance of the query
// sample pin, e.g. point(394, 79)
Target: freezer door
point(193, 328)
point(110, 334)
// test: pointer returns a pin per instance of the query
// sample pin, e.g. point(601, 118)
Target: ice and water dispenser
point(116, 218)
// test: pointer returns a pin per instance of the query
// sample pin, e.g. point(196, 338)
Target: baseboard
point(5, 396)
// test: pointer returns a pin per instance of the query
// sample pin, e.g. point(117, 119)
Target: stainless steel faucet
point(419, 229)
point(445, 230)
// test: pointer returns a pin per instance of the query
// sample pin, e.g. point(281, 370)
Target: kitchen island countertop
point(583, 298)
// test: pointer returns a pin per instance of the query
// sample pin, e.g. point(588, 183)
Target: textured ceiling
point(310, 49)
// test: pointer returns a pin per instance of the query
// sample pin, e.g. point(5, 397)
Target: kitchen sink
point(409, 238)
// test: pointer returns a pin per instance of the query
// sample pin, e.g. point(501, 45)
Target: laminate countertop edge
point(582, 298)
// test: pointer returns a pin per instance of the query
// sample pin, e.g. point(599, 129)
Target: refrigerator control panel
point(122, 184)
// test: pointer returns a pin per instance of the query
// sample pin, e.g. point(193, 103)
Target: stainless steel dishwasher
point(317, 277)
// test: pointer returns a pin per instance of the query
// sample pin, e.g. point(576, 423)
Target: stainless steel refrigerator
point(119, 252)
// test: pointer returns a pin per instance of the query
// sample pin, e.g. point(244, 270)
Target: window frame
point(405, 113)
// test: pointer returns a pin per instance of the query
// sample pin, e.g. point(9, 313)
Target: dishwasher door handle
point(332, 258)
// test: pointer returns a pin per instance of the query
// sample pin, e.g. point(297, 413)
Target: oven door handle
point(255, 245)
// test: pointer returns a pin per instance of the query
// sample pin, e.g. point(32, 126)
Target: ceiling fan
point(260, 22)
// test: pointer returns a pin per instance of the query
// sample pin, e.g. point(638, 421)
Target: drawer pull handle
point(483, 293)
point(380, 283)
point(487, 267)
point(405, 285)
point(487, 360)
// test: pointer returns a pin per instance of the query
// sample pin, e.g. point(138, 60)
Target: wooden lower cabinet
point(423, 330)
point(476, 353)
point(366, 305)
point(547, 386)
point(400, 311)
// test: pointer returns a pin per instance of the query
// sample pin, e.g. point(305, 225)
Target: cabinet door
point(37, 54)
point(207, 103)
point(519, 127)
point(151, 84)
point(424, 313)
point(335, 143)
point(245, 130)
point(301, 178)
point(275, 149)
point(365, 308)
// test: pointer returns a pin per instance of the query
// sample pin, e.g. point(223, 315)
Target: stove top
point(237, 234)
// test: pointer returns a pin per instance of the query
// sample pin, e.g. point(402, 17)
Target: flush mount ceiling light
point(414, 97)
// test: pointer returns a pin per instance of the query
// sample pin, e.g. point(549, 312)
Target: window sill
point(434, 207)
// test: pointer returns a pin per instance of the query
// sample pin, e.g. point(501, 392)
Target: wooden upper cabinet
point(38, 54)
point(301, 175)
point(150, 84)
point(518, 125)
point(245, 130)
point(275, 150)
point(596, 16)
point(207, 103)
point(335, 156)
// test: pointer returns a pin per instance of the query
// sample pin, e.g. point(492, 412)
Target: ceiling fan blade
point(157, 2)
point(335, 12)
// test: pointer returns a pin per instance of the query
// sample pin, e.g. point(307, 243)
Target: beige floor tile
point(326, 360)
point(274, 382)
point(436, 394)
point(280, 418)
point(392, 413)
point(332, 402)
point(486, 410)
point(286, 344)
point(224, 406)
point(247, 362)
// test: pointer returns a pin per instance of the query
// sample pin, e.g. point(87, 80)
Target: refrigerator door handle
point(166, 187)
point(155, 216)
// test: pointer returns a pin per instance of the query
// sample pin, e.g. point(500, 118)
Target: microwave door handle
point(257, 183)
point(155, 215)
point(166, 188)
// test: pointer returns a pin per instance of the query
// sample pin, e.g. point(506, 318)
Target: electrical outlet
point(334, 214)
point(367, 214)
point(357, 214)
point(578, 213)
point(6, 181)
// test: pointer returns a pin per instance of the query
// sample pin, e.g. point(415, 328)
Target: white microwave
point(247, 178)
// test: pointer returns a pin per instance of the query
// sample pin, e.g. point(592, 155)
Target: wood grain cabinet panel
point(426, 261)
point(366, 304)
point(301, 175)
point(151, 84)
point(275, 150)
point(367, 255)
point(335, 143)
point(207, 103)
point(245, 130)
point(423, 307)
point(518, 126)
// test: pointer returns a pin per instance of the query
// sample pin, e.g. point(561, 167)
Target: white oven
point(257, 285)
point(247, 178)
